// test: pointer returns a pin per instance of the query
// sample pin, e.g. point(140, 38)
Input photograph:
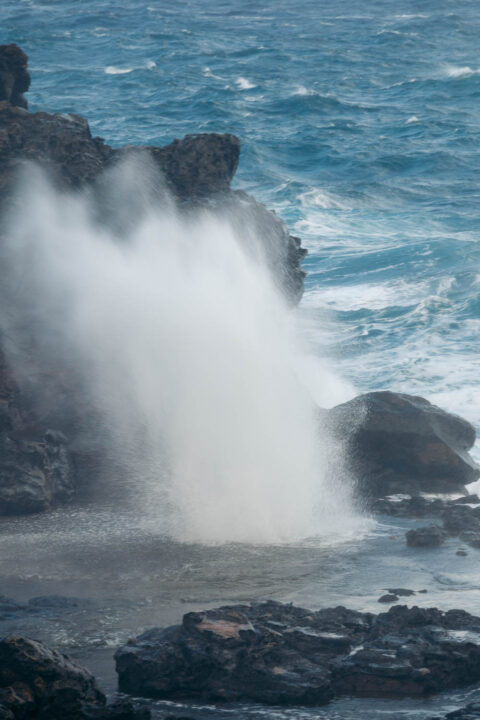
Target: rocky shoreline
point(269, 652)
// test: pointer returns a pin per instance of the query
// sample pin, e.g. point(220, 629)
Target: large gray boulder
point(397, 443)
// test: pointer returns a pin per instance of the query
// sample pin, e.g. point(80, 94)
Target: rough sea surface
point(360, 126)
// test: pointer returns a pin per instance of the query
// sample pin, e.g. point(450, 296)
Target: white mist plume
point(188, 351)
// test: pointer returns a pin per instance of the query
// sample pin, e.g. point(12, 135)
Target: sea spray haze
point(187, 352)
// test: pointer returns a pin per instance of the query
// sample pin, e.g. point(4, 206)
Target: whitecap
point(365, 296)
point(412, 119)
point(323, 199)
point(244, 84)
point(301, 90)
point(455, 71)
point(208, 73)
point(112, 70)
point(151, 64)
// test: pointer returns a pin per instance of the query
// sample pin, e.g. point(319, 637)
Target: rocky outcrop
point(35, 465)
point(398, 443)
point(281, 654)
point(36, 471)
point(34, 474)
point(14, 76)
point(43, 684)
point(426, 537)
point(469, 712)
point(196, 168)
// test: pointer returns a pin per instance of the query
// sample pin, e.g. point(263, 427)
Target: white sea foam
point(244, 84)
point(190, 355)
point(113, 70)
point(320, 198)
point(369, 296)
point(455, 71)
point(302, 90)
point(412, 119)
point(151, 64)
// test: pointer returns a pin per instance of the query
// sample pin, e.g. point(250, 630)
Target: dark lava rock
point(470, 712)
point(197, 168)
point(470, 538)
point(281, 654)
point(6, 714)
point(411, 507)
point(401, 592)
point(460, 518)
point(36, 468)
point(43, 684)
point(14, 76)
point(389, 598)
point(426, 537)
point(400, 443)
point(34, 475)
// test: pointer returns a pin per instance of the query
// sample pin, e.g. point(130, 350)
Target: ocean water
point(359, 125)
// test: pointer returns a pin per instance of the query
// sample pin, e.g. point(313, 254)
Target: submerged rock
point(397, 443)
point(426, 537)
point(43, 684)
point(281, 654)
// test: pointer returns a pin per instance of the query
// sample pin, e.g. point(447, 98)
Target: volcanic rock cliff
point(36, 468)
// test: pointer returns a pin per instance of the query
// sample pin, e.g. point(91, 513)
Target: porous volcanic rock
point(43, 684)
point(281, 654)
point(397, 443)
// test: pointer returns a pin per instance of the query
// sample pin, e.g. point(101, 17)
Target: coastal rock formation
point(35, 462)
point(397, 443)
point(14, 76)
point(198, 168)
point(281, 654)
point(426, 537)
point(43, 684)
point(35, 471)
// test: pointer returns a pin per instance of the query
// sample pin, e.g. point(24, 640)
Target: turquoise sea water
point(360, 126)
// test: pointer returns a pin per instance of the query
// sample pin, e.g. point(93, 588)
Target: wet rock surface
point(40, 683)
point(432, 536)
point(460, 518)
point(195, 168)
point(399, 443)
point(36, 470)
point(281, 654)
point(14, 76)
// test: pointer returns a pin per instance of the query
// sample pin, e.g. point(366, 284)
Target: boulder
point(43, 684)
point(281, 654)
point(14, 76)
point(397, 443)
point(426, 537)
